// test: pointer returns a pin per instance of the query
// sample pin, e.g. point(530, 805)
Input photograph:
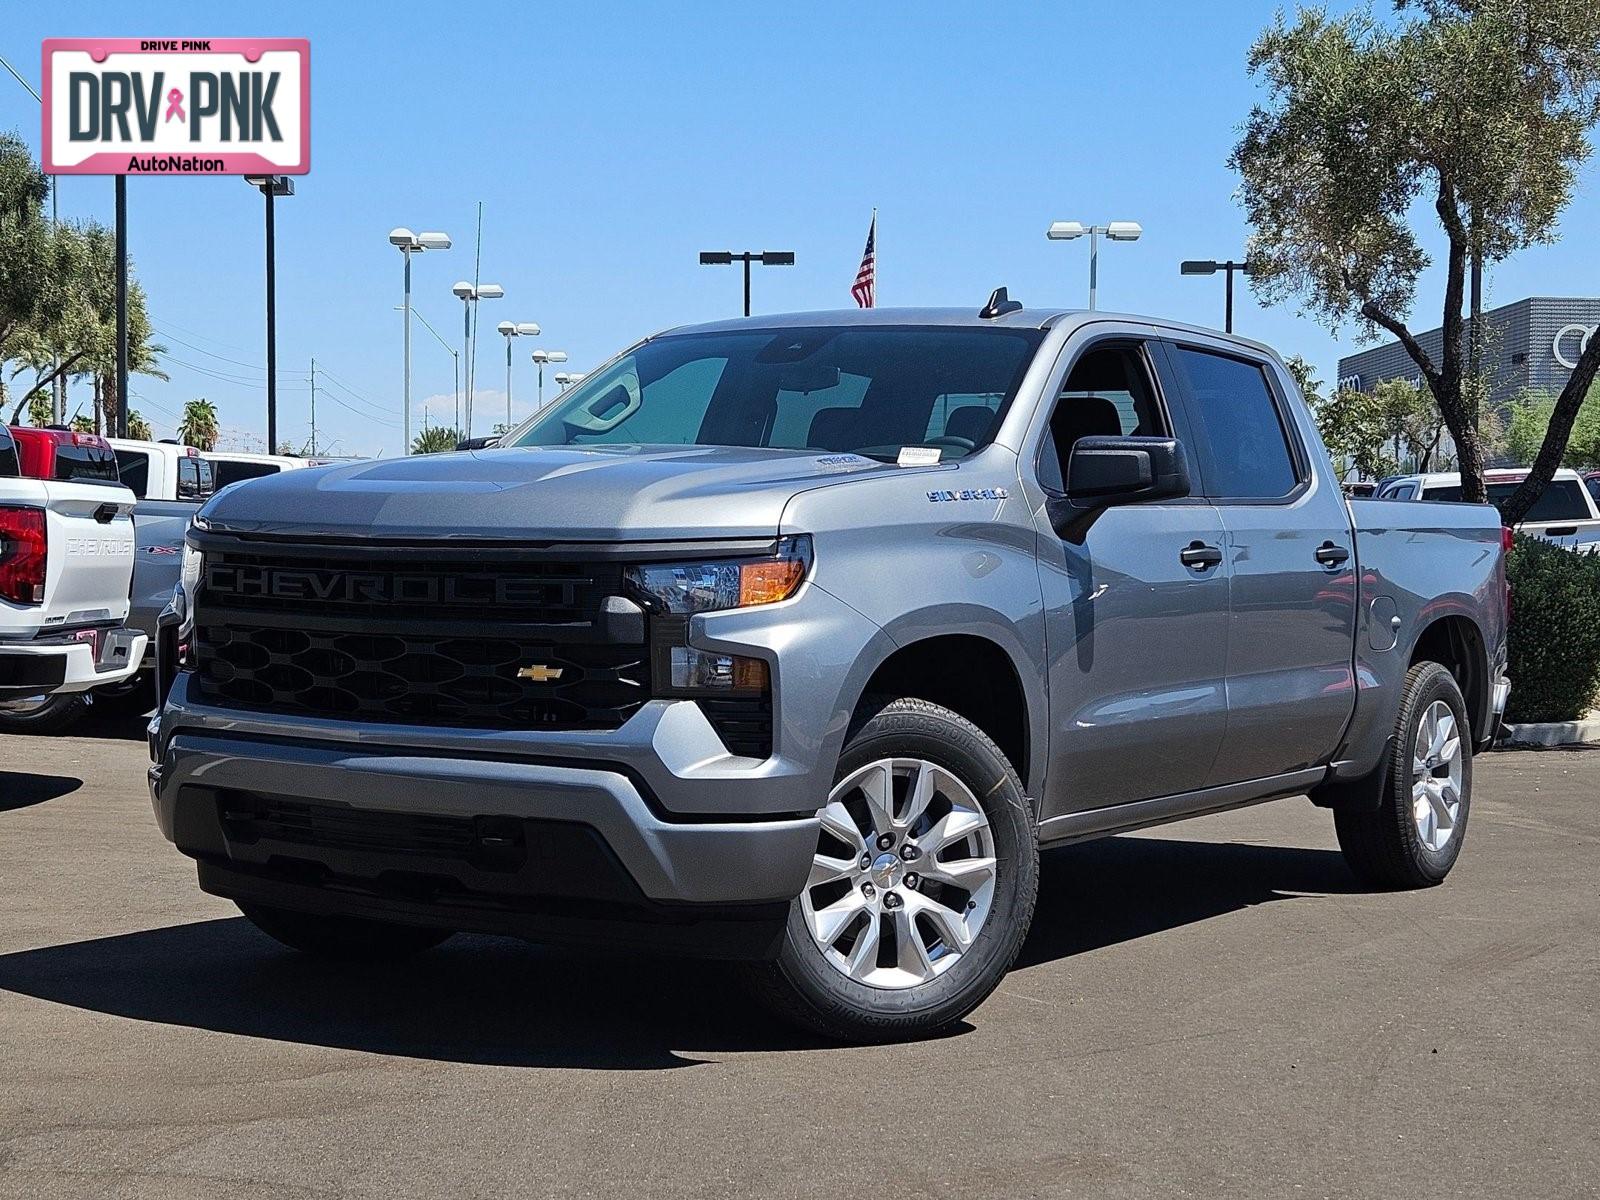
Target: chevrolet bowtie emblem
point(539, 673)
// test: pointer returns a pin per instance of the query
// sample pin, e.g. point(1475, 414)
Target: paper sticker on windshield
point(918, 456)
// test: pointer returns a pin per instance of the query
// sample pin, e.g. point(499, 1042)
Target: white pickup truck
point(1566, 514)
point(66, 566)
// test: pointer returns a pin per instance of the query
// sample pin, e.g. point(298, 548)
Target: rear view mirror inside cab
point(606, 410)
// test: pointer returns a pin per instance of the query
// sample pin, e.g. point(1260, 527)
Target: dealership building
point(1532, 344)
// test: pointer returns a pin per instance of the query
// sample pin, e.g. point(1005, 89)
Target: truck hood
point(580, 493)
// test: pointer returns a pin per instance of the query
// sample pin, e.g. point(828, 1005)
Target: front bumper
point(650, 835)
point(60, 663)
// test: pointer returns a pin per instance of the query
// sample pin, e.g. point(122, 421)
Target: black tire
point(803, 987)
point(1382, 845)
point(50, 715)
point(134, 697)
point(348, 938)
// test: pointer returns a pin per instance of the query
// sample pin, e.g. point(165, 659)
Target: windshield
point(864, 390)
point(1561, 501)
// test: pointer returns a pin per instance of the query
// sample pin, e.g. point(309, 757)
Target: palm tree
point(138, 428)
point(434, 440)
point(199, 425)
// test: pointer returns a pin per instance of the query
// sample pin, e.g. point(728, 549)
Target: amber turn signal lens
point(769, 581)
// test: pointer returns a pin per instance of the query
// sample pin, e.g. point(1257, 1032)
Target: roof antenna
point(999, 305)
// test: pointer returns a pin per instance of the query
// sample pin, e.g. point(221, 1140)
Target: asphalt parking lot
point(1213, 1009)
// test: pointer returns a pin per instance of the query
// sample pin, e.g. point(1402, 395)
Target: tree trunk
point(1555, 437)
point(97, 402)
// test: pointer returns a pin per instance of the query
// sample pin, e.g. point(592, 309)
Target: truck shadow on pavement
point(500, 1002)
point(22, 789)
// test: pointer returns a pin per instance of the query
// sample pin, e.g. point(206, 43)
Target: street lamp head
point(506, 328)
point(1124, 231)
point(549, 356)
point(1065, 231)
point(490, 291)
point(527, 329)
point(463, 289)
point(432, 241)
point(716, 258)
point(777, 258)
point(402, 237)
point(1195, 266)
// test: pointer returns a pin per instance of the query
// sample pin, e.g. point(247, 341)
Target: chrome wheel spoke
point(968, 874)
point(955, 825)
point(836, 819)
point(952, 926)
point(877, 789)
point(919, 795)
point(910, 954)
point(863, 958)
point(825, 869)
point(828, 923)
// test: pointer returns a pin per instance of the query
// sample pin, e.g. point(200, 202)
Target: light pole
point(409, 243)
point(546, 356)
point(509, 330)
point(469, 297)
point(767, 258)
point(1117, 231)
point(270, 186)
point(455, 363)
point(1197, 266)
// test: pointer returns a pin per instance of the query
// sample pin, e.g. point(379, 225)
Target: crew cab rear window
point(85, 464)
point(134, 467)
point(1563, 500)
point(225, 472)
point(1243, 447)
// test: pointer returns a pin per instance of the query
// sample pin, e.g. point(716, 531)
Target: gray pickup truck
point(792, 639)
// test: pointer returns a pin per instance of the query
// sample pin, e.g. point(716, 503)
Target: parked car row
point(1567, 514)
point(91, 546)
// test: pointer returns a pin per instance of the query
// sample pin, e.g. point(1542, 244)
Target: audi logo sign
point(1569, 335)
point(208, 106)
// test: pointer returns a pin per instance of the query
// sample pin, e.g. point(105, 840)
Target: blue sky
point(609, 144)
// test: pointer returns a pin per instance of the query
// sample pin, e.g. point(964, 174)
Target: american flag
point(865, 289)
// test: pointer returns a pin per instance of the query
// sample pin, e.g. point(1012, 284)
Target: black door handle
point(1200, 556)
point(1330, 555)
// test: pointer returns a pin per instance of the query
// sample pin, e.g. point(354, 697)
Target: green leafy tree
point(138, 428)
point(1357, 431)
point(81, 424)
point(435, 439)
point(1530, 422)
point(1305, 375)
point(39, 411)
point(199, 427)
point(1479, 110)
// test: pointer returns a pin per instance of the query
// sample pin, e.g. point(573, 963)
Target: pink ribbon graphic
point(174, 106)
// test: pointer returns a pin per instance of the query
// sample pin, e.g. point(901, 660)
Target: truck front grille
point(408, 637)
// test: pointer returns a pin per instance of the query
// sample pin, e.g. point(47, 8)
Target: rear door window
point(80, 463)
point(1244, 448)
point(228, 471)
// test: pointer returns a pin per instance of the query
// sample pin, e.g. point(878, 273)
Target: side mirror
point(1104, 472)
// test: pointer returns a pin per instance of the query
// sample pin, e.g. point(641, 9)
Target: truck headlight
point(673, 592)
point(193, 564)
point(715, 584)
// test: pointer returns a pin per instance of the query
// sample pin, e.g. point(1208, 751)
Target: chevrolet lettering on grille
point(379, 587)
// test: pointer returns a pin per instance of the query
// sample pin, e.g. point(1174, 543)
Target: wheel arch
point(1455, 642)
point(973, 676)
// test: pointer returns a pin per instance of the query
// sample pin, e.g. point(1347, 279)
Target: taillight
point(23, 554)
point(1508, 538)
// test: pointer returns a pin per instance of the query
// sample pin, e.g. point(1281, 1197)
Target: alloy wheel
point(904, 873)
point(1436, 776)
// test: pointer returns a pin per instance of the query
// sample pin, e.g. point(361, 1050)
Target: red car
point(60, 454)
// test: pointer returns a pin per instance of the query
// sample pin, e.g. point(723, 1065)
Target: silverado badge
point(539, 673)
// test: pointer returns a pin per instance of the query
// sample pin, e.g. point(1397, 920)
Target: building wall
point(1520, 348)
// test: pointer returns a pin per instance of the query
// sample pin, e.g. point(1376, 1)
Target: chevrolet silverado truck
point(66, 562)
point(793, 639)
